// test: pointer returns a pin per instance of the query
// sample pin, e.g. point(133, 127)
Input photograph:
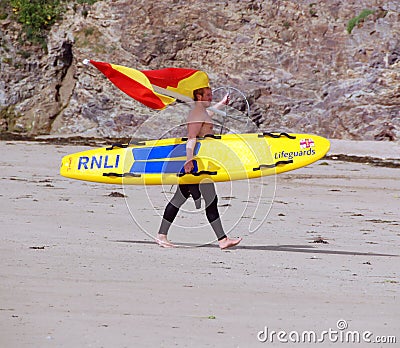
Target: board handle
point(213, 136)
point(124, 146)
point(202, 172)
point(273, 165)
point(117, 146)
point(272, 135)
point(123, 175)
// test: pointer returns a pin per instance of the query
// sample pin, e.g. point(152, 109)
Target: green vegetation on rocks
point(37, 16)
point(358, 19)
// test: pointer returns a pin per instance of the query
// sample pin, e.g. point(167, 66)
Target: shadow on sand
point(283, 248)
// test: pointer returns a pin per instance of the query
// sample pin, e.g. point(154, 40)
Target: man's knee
point(212, 210)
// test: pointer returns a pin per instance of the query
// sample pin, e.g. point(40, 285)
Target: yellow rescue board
point(218, 158)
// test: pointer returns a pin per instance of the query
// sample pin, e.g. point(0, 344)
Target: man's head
point(203, 94)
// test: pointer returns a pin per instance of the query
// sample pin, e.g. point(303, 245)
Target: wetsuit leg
point(194, 190)
point(211, 201)
point(171, 210)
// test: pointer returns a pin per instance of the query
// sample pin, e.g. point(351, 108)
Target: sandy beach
point(79, 267)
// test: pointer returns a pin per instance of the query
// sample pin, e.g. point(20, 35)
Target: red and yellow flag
point(154, 88)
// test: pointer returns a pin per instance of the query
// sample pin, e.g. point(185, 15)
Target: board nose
point(65, 166)
point(324, 144)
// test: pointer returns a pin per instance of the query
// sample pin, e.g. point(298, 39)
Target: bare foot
point(162, 241)
point(227, 242)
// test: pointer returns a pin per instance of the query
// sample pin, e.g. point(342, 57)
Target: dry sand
point(77, 271)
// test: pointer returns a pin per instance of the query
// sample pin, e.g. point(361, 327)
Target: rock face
point(300, 68)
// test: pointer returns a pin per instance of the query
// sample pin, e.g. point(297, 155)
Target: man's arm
point(215, 109)
point(193, 130)
point(223, 101)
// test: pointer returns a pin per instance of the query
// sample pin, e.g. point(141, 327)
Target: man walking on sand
point(199, 124)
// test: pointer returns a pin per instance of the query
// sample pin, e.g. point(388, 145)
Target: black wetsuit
point(183, 192)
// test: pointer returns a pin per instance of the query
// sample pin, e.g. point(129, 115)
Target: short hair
point(198, 91)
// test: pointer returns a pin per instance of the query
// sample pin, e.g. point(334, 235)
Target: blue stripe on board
point(159, 167)
point(158, 152)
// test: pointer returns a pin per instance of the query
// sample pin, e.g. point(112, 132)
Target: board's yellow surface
point(232, 157)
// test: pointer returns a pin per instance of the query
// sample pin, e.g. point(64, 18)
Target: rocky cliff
point(300, 65)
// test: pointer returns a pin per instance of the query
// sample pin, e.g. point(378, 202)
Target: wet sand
point(78, 271)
